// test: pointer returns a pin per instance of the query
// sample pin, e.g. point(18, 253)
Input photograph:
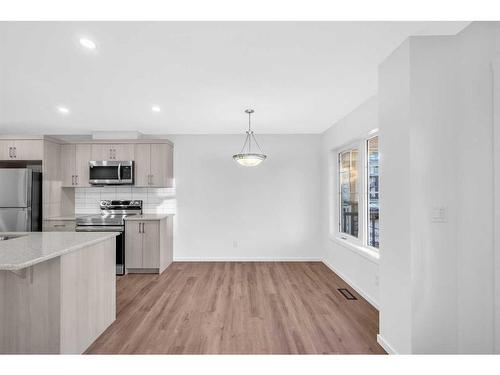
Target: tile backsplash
point(154, 200)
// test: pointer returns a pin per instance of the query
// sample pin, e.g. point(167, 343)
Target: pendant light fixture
point(247, 157)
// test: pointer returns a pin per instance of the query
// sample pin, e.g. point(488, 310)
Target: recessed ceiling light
point(87, 43)
point(63, 110)
point(155, 108)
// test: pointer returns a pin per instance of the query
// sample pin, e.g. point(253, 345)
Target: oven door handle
point(119, 171)
point(102, 228)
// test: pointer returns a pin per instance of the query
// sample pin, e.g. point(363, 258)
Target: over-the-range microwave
point(106, 172)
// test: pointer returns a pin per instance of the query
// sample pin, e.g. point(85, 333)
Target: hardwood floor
point(239, 308)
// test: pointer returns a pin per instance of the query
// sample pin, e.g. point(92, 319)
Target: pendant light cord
point(250, 136)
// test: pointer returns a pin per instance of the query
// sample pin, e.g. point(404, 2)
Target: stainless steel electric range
point(111, 219)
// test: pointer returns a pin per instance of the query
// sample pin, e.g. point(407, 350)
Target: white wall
point(436, 126)
point(361, 272)
point(229, 212)
point(478, 45)
point(395, 184)
point(433, 186)
point(496, 161)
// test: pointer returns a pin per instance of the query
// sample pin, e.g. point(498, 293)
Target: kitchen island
point(57, 291)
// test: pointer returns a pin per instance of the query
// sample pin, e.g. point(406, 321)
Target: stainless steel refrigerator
point(20, 200)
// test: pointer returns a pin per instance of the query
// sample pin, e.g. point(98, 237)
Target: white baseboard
point(225, 259)
point(384, 344)
point(353, 285)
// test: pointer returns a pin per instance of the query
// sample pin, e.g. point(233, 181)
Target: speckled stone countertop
point(146, 217)
point(36, 247)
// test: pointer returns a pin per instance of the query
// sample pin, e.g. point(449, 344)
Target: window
point(348, 192)
point(372, 178)
point(356, 211)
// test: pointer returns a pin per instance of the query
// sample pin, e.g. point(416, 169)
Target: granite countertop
point(146, 217)
point(36, 247)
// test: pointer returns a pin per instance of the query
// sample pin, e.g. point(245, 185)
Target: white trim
point(495, 65)
point(353, 285)
point(366, 252)
point(384, 344)
point(226, 259)
point(357, 145)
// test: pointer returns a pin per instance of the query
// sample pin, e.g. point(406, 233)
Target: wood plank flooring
point(239, 308)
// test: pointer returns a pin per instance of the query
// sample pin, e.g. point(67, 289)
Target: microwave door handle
point(119, 171)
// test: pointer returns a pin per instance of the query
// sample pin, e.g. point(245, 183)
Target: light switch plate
point(440, 214)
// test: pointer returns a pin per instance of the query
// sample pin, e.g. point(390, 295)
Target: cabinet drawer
point(58, 226)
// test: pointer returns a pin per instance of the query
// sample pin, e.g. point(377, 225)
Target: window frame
point(352, 238)
point(335, 190)
point(366, 192)
point(360, 243)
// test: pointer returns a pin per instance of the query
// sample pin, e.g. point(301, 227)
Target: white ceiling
point(300, 77)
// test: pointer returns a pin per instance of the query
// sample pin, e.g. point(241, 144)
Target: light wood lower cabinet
point(58, 226)
point(148, 245)
point(59, 306)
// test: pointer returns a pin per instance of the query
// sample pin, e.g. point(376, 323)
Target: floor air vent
point(348, 295)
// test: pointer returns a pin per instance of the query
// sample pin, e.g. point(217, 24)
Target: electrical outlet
point(235, 244)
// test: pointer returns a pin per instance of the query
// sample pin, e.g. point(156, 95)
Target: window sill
point(364, 251)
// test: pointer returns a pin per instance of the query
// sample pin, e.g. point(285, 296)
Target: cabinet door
point(101, 152)
point(68, 165)
point(142, 164)
point(5, 149)
point(123, 151)
point(151, 244)
point(82, 157)
point(28, 149)
point(133, 244)
point(161, 165)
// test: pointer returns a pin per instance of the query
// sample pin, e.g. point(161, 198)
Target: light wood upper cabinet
point(68, 156)
point(142, 164)
point(75, 164)
point(6, 149)
point(21, 149)
point(113, 151)
point(162, 171)
point(82, 157)
point(154, 165)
